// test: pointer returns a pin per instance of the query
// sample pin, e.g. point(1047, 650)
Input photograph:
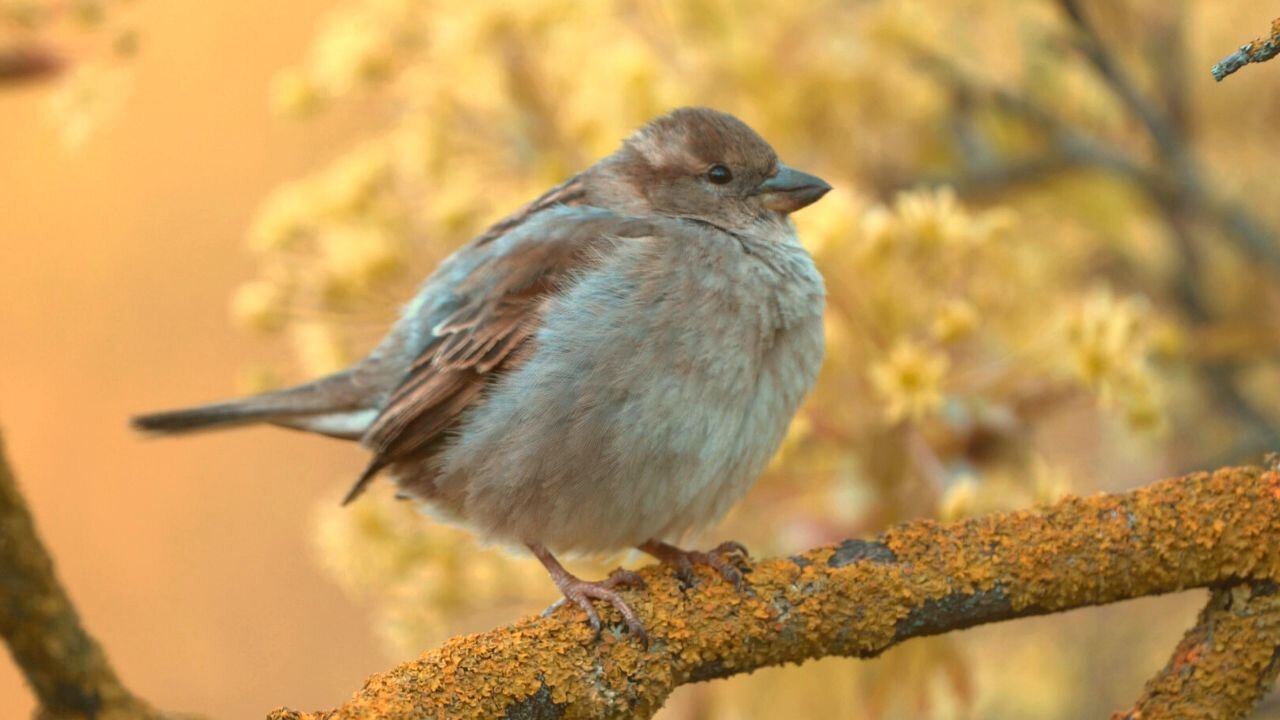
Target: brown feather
point(500, 309)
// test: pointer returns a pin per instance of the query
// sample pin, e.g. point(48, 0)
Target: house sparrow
point(612, 366)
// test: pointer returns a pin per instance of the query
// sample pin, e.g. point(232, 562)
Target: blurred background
point(1051, 258)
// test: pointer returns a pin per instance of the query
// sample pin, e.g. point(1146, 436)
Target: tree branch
point(859, 598)
point(1224, 664)
point(66, 668)
point(26, 63)
point(1162, 131)
point(1260, 50)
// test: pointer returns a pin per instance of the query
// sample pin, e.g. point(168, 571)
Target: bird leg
point(720, 558)
point(581, 592)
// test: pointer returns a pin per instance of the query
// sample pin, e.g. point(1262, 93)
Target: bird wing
point(489, 305)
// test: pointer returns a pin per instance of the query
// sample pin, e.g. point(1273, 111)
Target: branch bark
point(1259, 50)
point(1235, 644)
point(859, 598)
point(66, 668)
point(27, 63)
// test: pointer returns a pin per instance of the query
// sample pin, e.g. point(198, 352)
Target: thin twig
point(27, 63)
point(1167, 139)
point(1259, 50)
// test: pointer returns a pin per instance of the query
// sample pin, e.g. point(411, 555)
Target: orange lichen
point(1259, 50)
point(1224, 663)
point(862, 597)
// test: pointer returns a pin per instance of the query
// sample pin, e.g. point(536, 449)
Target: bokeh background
point(1052, 258)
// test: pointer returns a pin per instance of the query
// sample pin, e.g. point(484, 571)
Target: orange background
point(191, 560)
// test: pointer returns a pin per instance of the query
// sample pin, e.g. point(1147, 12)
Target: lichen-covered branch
point(859, 598)
point(66, 668)
point(1260, 50)
point(1235, 644)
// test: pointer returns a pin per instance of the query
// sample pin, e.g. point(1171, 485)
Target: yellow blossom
point(1141, 403)
point(284, 218)
point(993, 224)
point(876, 231)
point(25, 14)
point(358, 257)
point(319, 348)
point(1103, 333)
point(929, 219)
point(909, 381)
point(353, 49)
point(1168, 339)
point(959, 499)
point(355, 180)
point(957, 319)
point(88, 14)
point(259, 305)
point(294, 94)
point(1048, 484)
point(1109, 342)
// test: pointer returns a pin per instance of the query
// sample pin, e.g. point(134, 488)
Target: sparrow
point(610, 367)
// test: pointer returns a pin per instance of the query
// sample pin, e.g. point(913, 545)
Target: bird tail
point(211, 417)
point(337, 395)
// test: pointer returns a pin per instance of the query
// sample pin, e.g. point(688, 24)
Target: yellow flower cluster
point(918, 290)
point(937, 291)
point(944, 351)
point(909, 380)
point(1110, 346)
point(330, 247)
point(358, 47)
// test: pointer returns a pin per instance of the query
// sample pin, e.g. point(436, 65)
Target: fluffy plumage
point(611, 365)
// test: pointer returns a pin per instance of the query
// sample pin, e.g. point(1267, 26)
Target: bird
point(609, 367)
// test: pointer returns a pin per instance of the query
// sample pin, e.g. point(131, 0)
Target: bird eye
point(719, 174)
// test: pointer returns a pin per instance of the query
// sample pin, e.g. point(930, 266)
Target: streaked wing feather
point(498, 308)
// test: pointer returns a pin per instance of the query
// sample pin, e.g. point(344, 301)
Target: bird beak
point(789, 190)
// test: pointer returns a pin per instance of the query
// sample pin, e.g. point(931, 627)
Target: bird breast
point(661, 381)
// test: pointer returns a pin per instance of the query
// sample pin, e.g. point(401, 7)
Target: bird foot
point(581, 592)
point(721, 558)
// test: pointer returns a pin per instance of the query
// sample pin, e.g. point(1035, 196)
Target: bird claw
point(722, 558)
point(582, 592)
point(624, 578)
point(731, 547)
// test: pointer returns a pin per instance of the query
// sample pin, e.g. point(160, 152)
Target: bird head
point(710, 166)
